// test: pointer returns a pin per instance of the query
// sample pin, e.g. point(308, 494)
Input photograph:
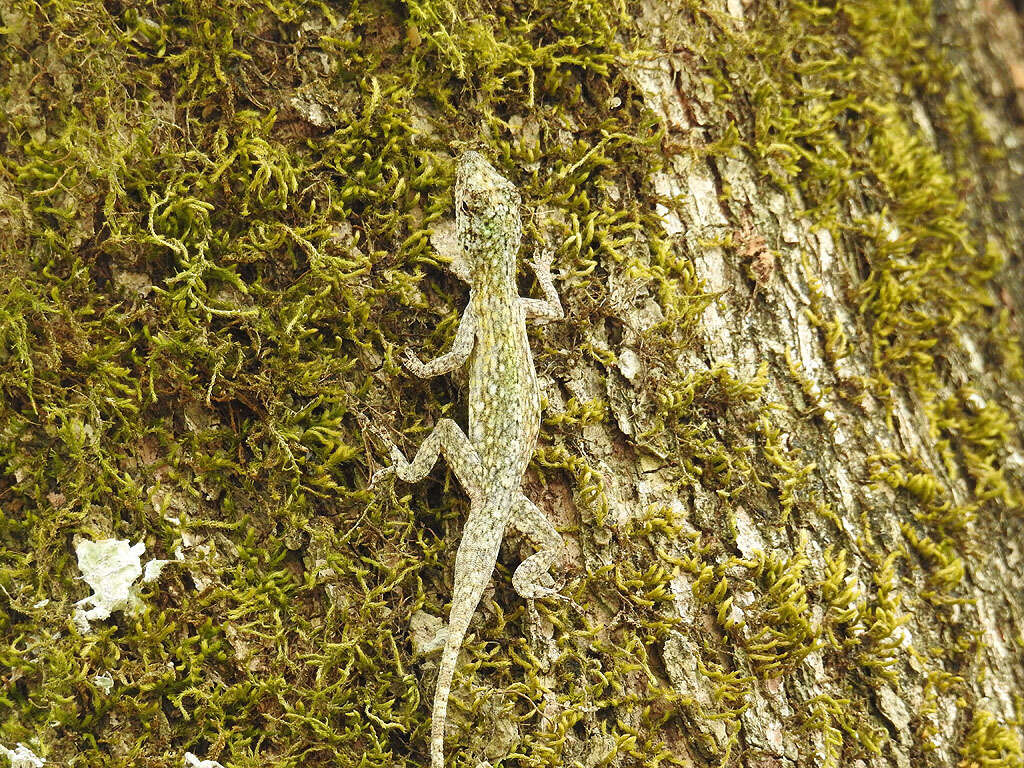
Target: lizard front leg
point(548, 308)
point(455, 357)
point(532, 579)
point(447, 437)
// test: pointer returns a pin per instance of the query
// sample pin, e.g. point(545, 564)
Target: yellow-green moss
point(205, 278)
point(990, 744)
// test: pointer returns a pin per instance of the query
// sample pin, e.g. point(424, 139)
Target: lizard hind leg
point(532, 579)
point(446, 438)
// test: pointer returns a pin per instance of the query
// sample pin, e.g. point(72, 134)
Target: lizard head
point(486, 217)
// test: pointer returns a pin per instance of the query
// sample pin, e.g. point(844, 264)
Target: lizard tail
point(439, 716)
point(463, 606)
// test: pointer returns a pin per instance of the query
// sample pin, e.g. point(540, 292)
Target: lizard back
point(504, 396)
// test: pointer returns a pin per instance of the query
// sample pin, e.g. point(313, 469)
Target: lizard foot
point(531, 582)
point(381, 475)
point(399, 466)
point(414, 365)
point(542, 260)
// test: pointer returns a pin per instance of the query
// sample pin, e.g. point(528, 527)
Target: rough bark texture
point(782, 436)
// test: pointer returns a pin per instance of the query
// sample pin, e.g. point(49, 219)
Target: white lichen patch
point(22, 757)
point(111, 567)
point(104, 682)
point(748, 540)
point(138, 283)
point(191, 761)
point(629, 364)
point(445, 241)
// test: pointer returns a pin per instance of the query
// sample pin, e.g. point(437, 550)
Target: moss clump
point(990, 744)
point(217, 223)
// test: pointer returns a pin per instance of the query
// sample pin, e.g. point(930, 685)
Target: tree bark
point(782, 435)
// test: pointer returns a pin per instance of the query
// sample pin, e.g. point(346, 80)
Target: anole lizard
point(504, 411)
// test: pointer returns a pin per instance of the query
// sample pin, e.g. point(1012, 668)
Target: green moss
point(784, 635)
point(201, 294)
point(218, 221)
point(842, 730)
point(990, 744)
point(837, 92)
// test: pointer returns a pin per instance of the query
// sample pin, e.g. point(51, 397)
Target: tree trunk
point(781, 435)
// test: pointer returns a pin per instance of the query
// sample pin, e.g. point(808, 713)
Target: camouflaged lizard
point(504, 411)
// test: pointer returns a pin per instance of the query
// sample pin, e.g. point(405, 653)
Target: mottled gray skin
point(504, 411)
